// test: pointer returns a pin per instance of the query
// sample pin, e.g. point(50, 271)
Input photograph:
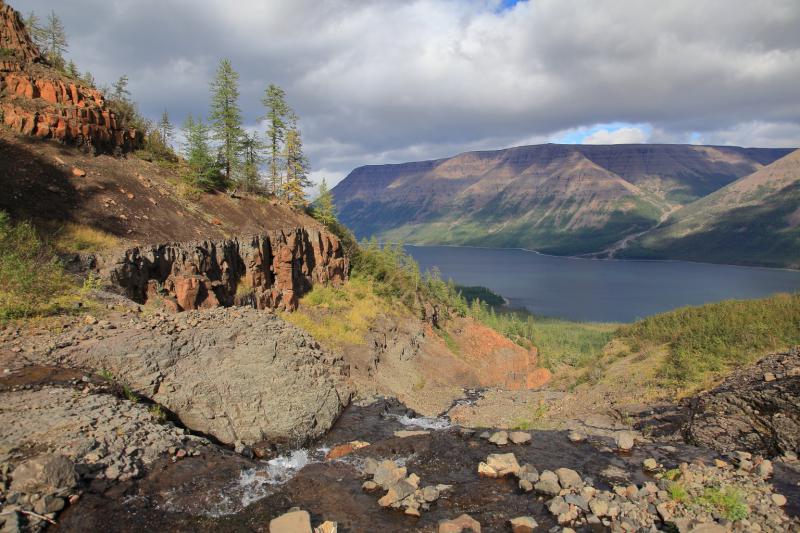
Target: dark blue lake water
point(595, 290)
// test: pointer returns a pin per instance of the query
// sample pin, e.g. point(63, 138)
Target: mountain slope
point(565, 199)
point(755, 220)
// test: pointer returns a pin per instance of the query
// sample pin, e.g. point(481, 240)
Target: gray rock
point(578, 501)
point(569, 479)
point(523, 524)
point(500, 438)
point(248, 378)
point(624, 440)
point(547, 487)
point(46, 473)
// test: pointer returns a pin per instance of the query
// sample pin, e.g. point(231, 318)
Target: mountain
point(563, 199)
point(754, 220)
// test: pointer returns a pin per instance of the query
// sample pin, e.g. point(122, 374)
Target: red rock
point(345, 449)
point(78, 172)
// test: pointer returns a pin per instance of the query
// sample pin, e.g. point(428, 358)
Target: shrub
point(31, 279)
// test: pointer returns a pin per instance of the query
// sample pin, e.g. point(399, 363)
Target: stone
point(764, 468)
point(485, 470)
point(569, 479)
point(414, 480)
point(461, 524)
point(650, 464)
point(430, 494)
point(396, 492)
point(369, 485)
point(528, 472)
point(547, 487)
point(503, 463)
point(578, 501)
point(343, 450)
point(599, 507)
point(523, 524)
point(46, 473)
point(327, 527)
point(624, 440)
point(519, 437)
point(291, 522)
point(576, 436)
point(410, 433)
point(78, 172)
point(769, 376)
point(525, 485)
point(779, 499)
point(557, 506)
point(499, 438)
point(388, 473)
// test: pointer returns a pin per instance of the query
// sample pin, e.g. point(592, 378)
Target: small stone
point(764, 468)
point(578, 501)
point(396, 492)
point(548, 487)
point(408, 433)
point(463, 523)
point(599, 507)
point(523, 524)
point(500, 438)
point(569, 479)
point(525, 485)
point(779, 500)
point(557, 506)
point(485, 470)
point(430, 494)
point(720, 463)
point(413, 480)
point(624, 440)
point(503, 463)
point(180, 454)
point(519, 437)
point(388, 473)
point(412, 511)
point(650, 464)
point(77, 172)
point(769, 376)
point(369, 485)
point(291, 522)
point(327, 527)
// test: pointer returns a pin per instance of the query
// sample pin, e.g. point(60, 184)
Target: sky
point(388, 81)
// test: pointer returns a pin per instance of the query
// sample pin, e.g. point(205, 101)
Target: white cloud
point(626, 135)
point(381, 81)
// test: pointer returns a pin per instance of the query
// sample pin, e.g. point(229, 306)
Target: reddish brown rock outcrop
point(36, 99)
point(269, 271)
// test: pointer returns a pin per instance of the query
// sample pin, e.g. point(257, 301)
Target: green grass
point(536, 420)
point(715, 337)
point(727, 501)
point(677, 492)
point(32, 280)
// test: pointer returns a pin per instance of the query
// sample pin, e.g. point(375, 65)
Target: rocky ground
point(131, 419)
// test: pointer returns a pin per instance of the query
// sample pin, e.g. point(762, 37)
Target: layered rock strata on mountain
point(37, 100)
point(269, 271)
point(756, 409)
point(241, 376)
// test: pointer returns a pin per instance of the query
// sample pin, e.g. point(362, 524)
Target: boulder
point(398, 491)
point(46, 473)
point(291, 522)
point(569, 479)
point(388, 473)
point(523, 524)
point(624, 440)
point(503, 463)
point(458, 525)
point(342, 450)
point(519, 437)
point(499, 438)
point(246, 377)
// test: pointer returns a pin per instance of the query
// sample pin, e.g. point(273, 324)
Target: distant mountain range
point(653, 201)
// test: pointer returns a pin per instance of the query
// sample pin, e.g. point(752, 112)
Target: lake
point(599, 290)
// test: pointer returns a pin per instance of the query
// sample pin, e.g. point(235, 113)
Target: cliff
point(38, 100)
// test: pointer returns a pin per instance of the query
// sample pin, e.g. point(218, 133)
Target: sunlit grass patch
point(73, 237)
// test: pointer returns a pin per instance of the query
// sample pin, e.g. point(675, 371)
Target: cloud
point(626, 135)
point(383, 81)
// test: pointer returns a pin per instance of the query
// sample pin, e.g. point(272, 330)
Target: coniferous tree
point(251, 161)
point(88, 79)
point(277, 114)
point(296, 167)
point(120, 88)
point(324, 208)
point(72, 69)
point(165, 128)
point(203, 167)
point(54, 40)
point(226, 117)
point(35, 30)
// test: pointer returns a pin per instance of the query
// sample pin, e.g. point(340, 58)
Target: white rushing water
point(423, 422)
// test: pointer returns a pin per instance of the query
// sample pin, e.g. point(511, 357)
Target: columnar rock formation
point(36, 99)
point(266, 271)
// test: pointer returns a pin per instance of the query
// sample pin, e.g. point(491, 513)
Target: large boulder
point(239, 375)
point(46, 473)
point(757, 408)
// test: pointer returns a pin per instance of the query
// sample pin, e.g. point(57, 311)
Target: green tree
point(296, 167)
point(226, 117)
point(324, 207)
point(278, 112)
point(72, 70)
point(121, 91)
point(88, 79)
point(204, 172)
point(165, 128)
point(251, 161)
point(55, 40)
point(35, 30)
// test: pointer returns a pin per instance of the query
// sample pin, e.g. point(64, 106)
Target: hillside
point(563, 199)
point(755, 220)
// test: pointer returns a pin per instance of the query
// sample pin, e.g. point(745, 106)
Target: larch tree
point(278, 112)
point(324, 207)
point(203, 167)
point(54, 40)
point(165, 128)
point(296, 167)
point(226, 117)
point(252, 159)
point(35, 30)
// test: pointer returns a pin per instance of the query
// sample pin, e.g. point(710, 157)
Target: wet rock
point(576, 436)
point(523, 524)
point(599, 507)
point(369, 485)
point(388, 473)
point(342, 450)
point(327, 527)
point(291, 522)
point(764, 468)
point(46, 473)
point(779, 500)
point(519, 437)
point(499, 438)
point(430, 494)
point(396, 492)
point(650, 464)
point(461, 524)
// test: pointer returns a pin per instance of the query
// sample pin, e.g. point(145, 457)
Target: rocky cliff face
point(268, 271)
point(36, 99)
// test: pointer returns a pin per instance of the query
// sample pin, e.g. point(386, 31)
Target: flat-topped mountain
point(754, 220)
point(564, 199)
